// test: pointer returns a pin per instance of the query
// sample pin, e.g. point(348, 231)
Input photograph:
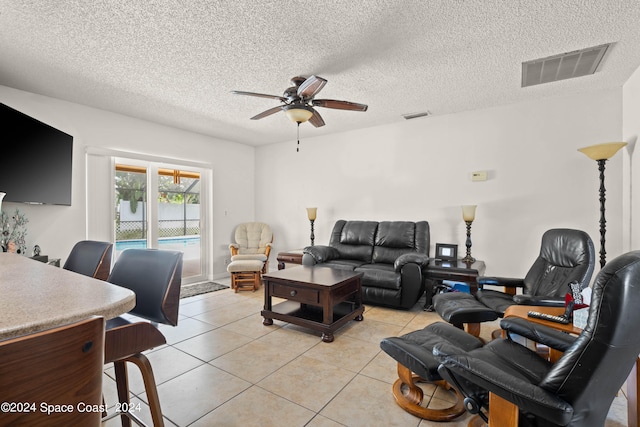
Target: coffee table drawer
point(293, 293)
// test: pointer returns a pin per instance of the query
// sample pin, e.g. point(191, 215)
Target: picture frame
point(446, 252)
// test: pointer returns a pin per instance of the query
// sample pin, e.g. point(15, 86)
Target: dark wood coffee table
point(318, 298)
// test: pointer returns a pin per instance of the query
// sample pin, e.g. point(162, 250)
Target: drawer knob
point(293, 293)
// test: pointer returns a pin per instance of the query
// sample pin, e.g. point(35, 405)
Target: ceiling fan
point(298, 101)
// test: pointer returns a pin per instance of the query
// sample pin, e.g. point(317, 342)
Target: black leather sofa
point(392, 255)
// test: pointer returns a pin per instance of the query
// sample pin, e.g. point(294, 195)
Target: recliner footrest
point(245, 274)
point(458, 308)
point(413, 352)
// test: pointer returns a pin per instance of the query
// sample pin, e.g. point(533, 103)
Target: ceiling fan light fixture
point(298, 113)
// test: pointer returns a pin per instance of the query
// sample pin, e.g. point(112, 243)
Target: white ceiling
point(177, 61)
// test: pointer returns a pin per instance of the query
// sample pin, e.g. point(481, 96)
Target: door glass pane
point(179, 217)
point(131, 208)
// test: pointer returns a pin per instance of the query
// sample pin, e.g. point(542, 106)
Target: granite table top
point(35, 296)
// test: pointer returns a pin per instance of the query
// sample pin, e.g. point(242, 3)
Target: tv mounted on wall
point(36, 160)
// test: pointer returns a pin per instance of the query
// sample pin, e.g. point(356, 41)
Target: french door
point(161, 206)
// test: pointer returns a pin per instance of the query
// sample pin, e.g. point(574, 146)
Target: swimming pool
point(163, 243)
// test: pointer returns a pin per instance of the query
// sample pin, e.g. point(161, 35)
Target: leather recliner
point(392, 255)
point(566, 256)
point(579, 388)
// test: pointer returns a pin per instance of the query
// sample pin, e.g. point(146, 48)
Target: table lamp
point(468, 215)
point(601, 153)
point(311, 214)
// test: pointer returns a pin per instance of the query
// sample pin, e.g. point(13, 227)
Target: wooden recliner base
point(505, 414)
point(473, 329)
point(246, 280)
point(409, 396)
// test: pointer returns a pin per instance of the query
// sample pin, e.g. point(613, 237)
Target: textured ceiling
point(177, 61)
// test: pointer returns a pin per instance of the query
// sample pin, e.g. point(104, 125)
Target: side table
point(290, 257)
point(458, 271)
point(44, 258)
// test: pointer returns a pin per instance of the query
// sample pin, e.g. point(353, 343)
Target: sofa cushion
point(354, 239)
point(393, 239)
point(343, 264)
point(380, 276)
point(382, 296)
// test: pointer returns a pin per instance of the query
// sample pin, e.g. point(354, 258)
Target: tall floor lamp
point(311, 214)
point(601, 153)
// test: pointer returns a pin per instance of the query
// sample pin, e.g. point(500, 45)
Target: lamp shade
point(311, 213)
point(602, 151)
point(298, 113)
point(469, 212)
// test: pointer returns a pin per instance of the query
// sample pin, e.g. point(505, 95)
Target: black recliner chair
point(566, 256)
point(579, 388)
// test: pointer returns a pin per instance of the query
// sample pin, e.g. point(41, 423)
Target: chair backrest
point(91, 258)
point(154, 276)
point(395, 238)
point(61, 366)
point(379, 242)
point(252, 237)
point(566, 255)
point(592, 370)
point(354, 239)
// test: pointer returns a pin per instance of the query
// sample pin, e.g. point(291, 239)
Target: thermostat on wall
point(479, 176)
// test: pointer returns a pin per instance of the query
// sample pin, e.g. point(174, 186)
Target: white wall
point(57, 228)
point(631, 129)
point(420, 170)
point(410, 170)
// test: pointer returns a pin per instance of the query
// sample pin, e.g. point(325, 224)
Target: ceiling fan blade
point(339, 105)
point(311, 86)
point(266, 113)
point(259, 95)
point(316, 120)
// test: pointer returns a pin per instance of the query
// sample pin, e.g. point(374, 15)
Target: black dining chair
point(154, 275)
point(91, 258)
point(45, 372)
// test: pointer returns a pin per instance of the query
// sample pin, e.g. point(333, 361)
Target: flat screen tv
point(36, 160)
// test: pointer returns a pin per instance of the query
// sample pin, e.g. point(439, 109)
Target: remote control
point(544, 316)
point(576, 292)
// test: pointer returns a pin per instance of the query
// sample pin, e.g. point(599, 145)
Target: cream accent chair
point(253, 242)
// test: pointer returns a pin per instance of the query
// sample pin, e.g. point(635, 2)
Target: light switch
point(479, 176)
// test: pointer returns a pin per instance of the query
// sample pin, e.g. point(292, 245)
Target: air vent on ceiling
point(416, 115)
point(564, 66)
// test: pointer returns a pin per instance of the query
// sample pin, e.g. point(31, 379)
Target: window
point(159, 207)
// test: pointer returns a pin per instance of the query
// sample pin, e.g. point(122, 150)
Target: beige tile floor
point(223, 367)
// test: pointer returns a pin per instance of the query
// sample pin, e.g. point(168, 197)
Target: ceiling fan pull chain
point(298, 147)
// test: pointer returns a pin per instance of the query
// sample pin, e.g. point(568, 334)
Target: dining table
point(35, 296)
